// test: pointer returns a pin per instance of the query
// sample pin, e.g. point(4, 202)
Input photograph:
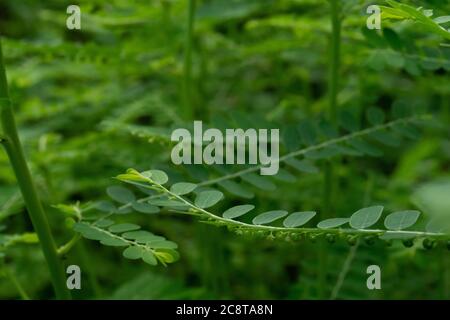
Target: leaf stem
point(37, 215)
point(322, 145)
point(69, 245)
point(245, 226)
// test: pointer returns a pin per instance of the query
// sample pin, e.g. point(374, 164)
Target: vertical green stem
point(38, 218)
point(187, 86)
point(333, 89)
point(335, 59)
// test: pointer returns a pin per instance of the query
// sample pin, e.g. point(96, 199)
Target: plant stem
point(187, 71)
point(69, 245)
point(329, 178)
point(36, 212)
point(335, 60)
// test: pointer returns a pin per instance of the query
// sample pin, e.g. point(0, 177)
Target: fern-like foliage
point(137, 243)
point(307, 143)
point(196, 198)
point(9, 240)
point(400, 11)
point(181, 197)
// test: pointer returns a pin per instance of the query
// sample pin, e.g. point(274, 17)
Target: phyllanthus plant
point(197, 198)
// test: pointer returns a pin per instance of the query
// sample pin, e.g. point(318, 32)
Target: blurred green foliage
point(92, 102)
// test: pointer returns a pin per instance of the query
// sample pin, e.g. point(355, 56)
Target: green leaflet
point(442, 20)
point(238, 211)
point(236, 189)
point(297, 219)
point(375, 116)
point(302, 165)
point(366, 217)
point(166, 203)
point(105, 206)
point(284, 176)
point(149, 258)
point(259, 181)
point(162, 244)
point(365, 147)
point(114, 242)
point(206, 199)
point(268, 217)
point(332, 223)
point(158, 176)
point(144, 207)
point(142, 236)
point(103, 223)
point(348, 120)
point(123, 227)
point(121, 194)
point(307, 132)
point(133, 253)
point(386, 138)
point(183, 188)
point(401, 220)
point(438, 225)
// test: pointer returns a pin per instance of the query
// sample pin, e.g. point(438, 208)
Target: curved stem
point(36, 212)
point(322, 145)
point(245, 226)
point(69, 245)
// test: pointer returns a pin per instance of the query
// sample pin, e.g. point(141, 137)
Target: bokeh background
point(91, 103)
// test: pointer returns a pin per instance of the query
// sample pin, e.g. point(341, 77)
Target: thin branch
point(322, 145)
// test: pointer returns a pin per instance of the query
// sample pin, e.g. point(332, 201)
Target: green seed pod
point(294, 236)
point(388, 243)
point(281, 235)
point(428, 244)
point(312, 238)
point(331, 238)
point(370, 240)
point(408, 243)
point(351, 240)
